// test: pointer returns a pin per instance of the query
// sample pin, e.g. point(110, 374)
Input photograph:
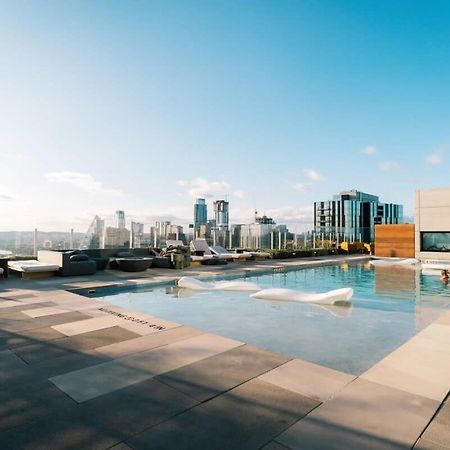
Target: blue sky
point(142, 105)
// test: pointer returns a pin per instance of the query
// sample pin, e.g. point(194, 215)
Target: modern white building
point(263, 235)
point(432, 224)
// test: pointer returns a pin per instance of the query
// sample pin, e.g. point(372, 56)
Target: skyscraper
point(221, 214)
point(200, 213)
point(120, 219)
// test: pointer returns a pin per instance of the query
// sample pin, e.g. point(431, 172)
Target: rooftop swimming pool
point(389, 306)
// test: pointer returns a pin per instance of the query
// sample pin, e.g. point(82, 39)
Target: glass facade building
point(352, 215)
point(200, 213)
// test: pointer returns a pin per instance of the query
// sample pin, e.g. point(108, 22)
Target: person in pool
point(445, 276)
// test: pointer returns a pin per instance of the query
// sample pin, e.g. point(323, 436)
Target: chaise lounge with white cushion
point(201, 246)
point(222, 252)
point(31, 268)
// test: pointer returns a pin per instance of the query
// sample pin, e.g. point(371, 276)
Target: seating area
point(69, 263)
point(204, 254)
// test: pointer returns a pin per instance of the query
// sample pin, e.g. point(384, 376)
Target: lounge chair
point(202, 253)
point(220, 251)
point(33, 269)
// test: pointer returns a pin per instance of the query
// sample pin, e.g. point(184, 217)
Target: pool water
point(389, 306)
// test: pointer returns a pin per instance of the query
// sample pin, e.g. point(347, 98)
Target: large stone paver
point(58, 429)
point(424, 444)
point(438, 431)
point(6, 313)
point(45, 311)
point(364, 415)
point(212, 376)
point(9, 303)
point(20, 322)
point(86, 325)
point(274, 445)
point(91, 382)
point(443, 320)
point(27, 337)
point(42, 351)
point(147, 342)
point(314, 381)
point(9, 360)
point(421, 366)
point(23, 403)
point(247, 417)
point(135, 408)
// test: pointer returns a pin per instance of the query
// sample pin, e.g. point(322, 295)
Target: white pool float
point(394, 262)
point(334, 297)
point(233, 285)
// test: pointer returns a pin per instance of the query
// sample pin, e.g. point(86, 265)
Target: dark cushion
point(79, 257)
point(124, 254)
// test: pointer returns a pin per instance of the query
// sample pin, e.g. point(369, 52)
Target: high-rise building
point(200, 213)
point(352, 216)
point(137, 231)
point(220, 234)
point(221, 214)
point(120, 219)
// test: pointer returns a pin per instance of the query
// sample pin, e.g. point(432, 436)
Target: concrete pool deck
point(79, 373)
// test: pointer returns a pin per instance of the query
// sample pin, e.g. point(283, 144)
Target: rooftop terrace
point(81, 373)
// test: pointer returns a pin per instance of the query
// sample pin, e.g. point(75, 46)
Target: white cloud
point(301, 187)
point(434, 158)
point(313, 175)
point(289, 215)
point(369, 150)
point(5, 194)
point(388, 166)
point(239, 193)
point(200, 187)
point(80, 180)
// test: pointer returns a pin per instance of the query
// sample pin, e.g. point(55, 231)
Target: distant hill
point(21, 242)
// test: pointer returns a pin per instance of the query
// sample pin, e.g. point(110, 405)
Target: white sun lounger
point(200, 245)
point(220, 251)
point(33, 269)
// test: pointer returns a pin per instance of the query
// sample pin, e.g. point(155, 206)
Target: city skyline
point(271, 105)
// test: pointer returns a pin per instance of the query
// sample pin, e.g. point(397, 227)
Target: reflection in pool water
point(389, 306)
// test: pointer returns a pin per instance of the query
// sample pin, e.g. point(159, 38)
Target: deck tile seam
point(279, 443)
point(220, 393)
point(151, 377)
point(152, 348)
point(67, 338)
point(432, 419)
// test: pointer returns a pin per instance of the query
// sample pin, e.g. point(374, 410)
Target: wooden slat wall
point(394, 240)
